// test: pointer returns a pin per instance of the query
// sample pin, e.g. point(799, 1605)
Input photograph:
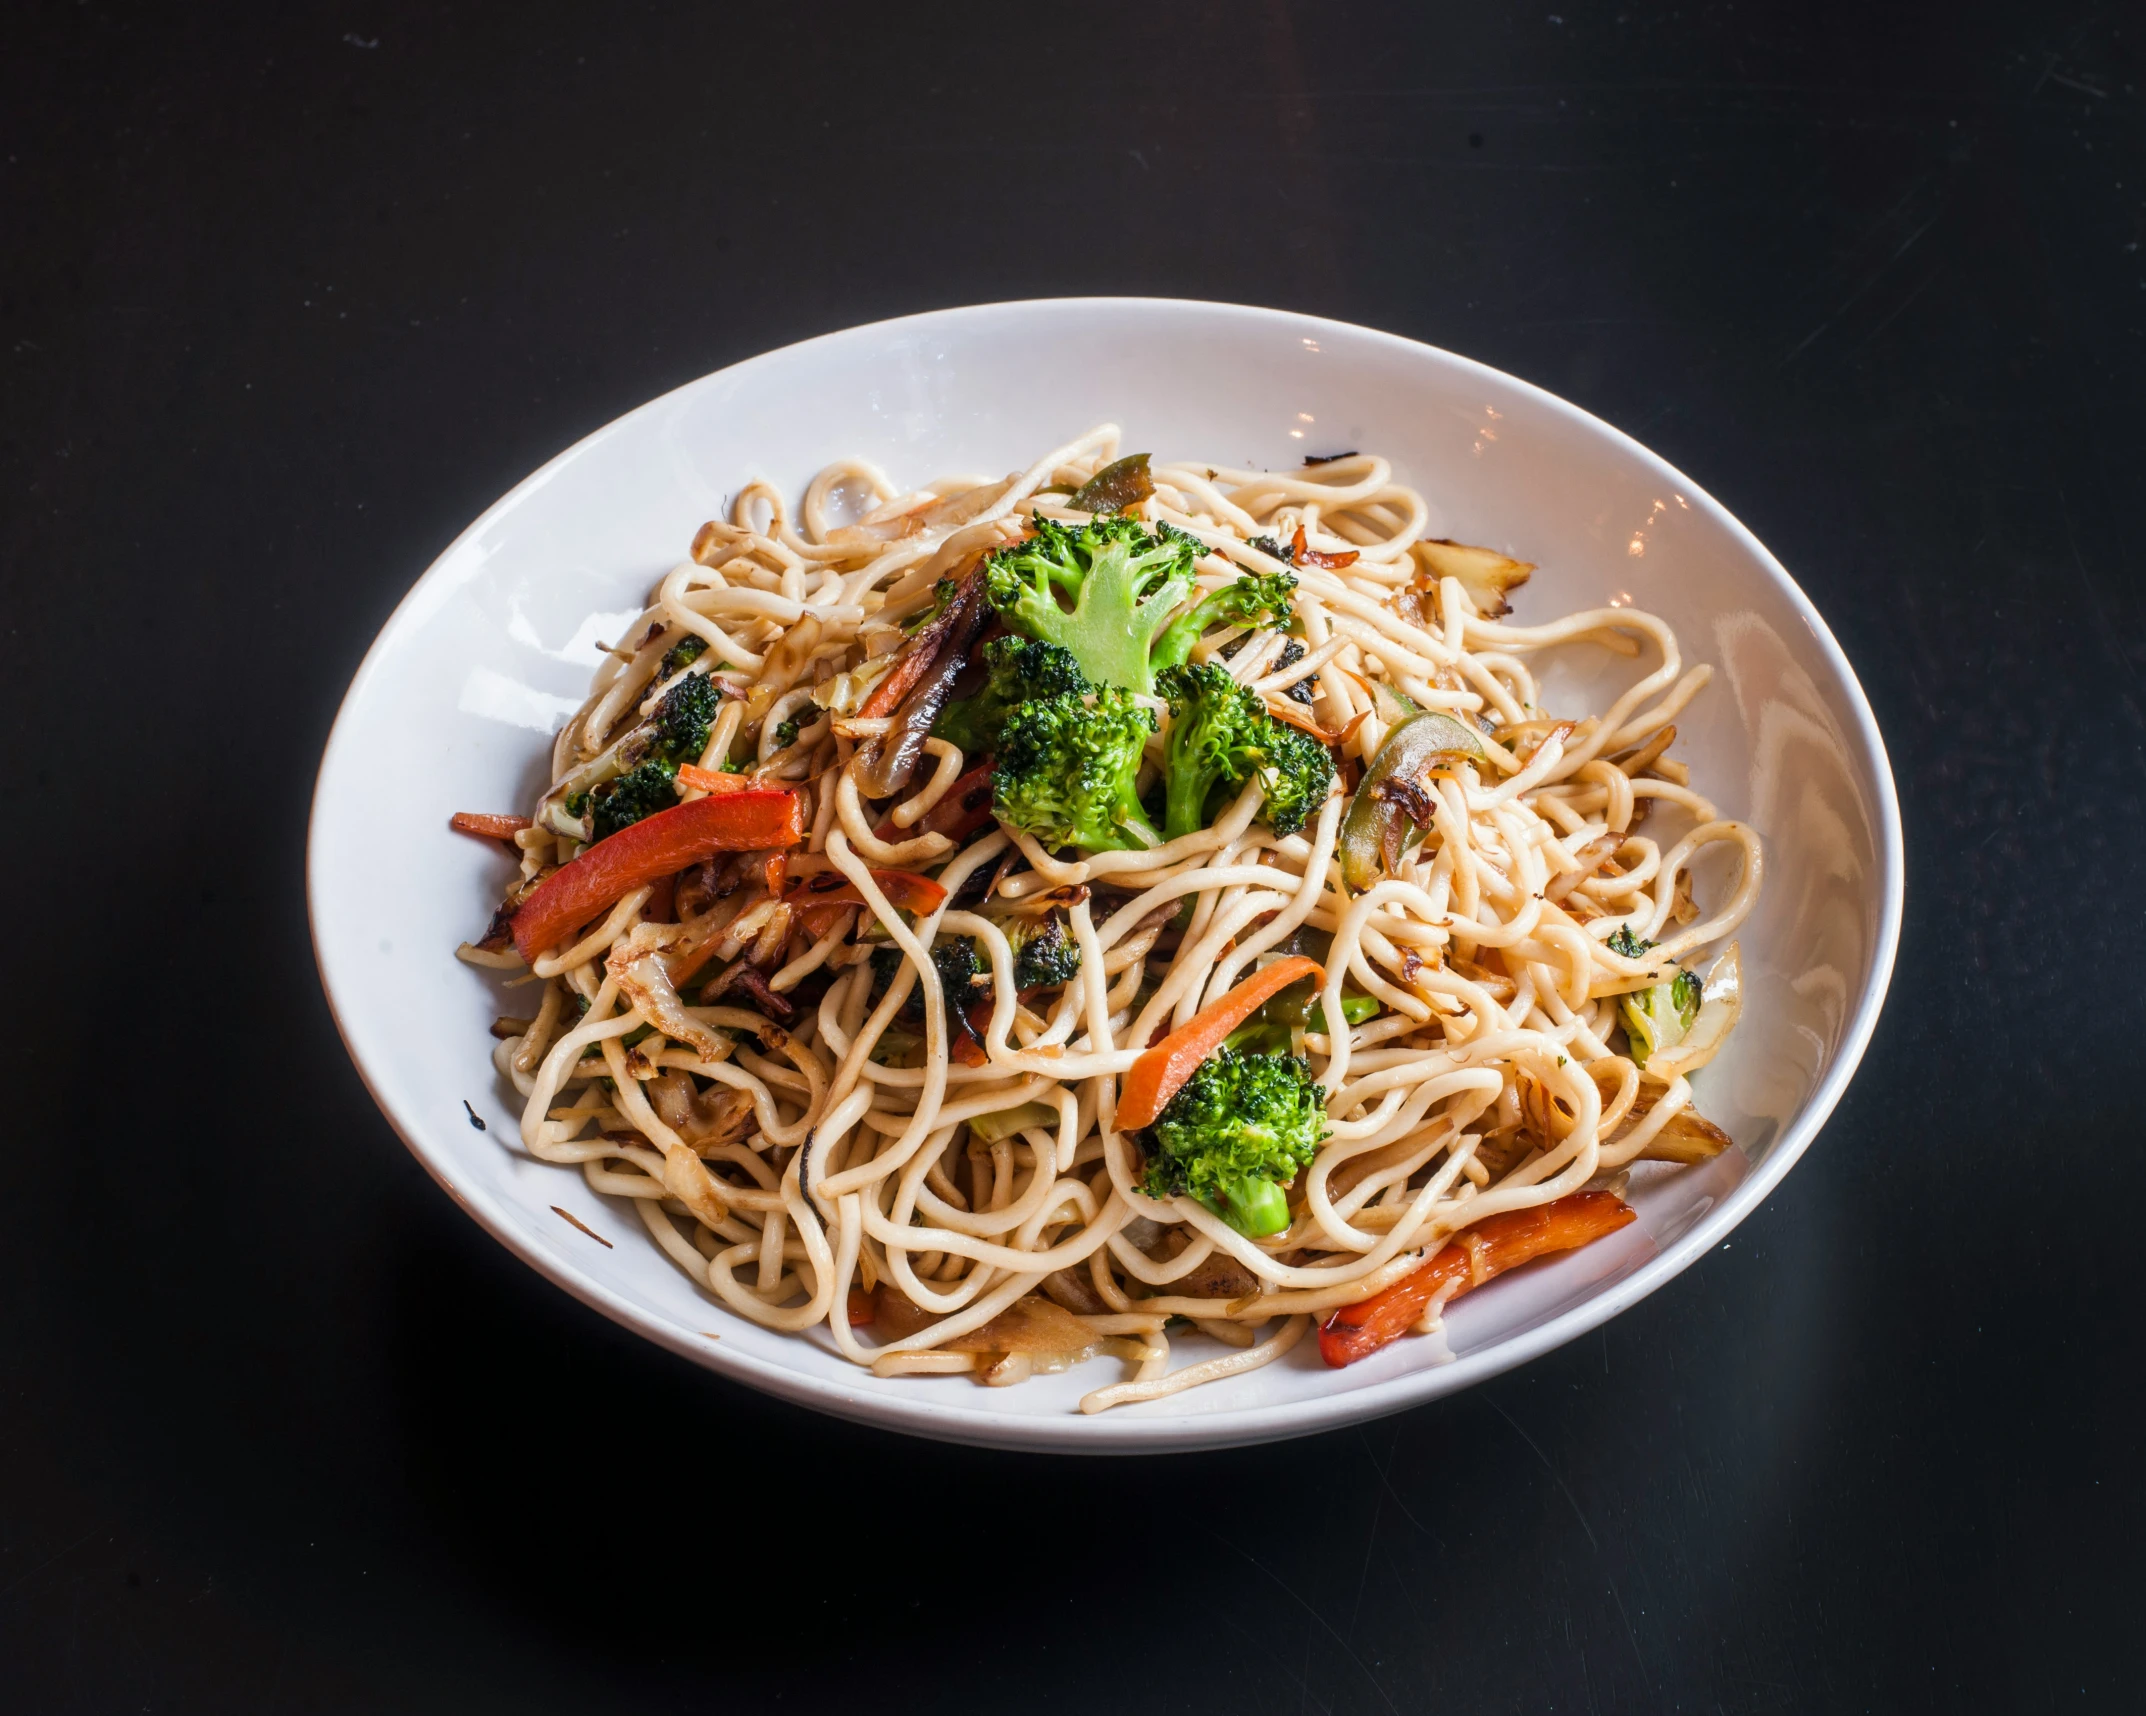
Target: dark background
point(292, 292)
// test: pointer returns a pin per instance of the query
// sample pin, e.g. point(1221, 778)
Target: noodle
point(828, 1141)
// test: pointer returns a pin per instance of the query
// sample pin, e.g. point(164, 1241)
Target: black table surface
point(292, 292)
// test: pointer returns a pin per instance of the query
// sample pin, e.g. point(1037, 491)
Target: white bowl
point(454, 707)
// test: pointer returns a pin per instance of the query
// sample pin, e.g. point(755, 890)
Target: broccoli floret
point(681, 655)
point(786, 731)
point(1044, 952)
point(1236, 1135)
point(1626, 943)
point(676, 733)
point(1066, 772)
point(1297, 772)
point(1121, 578)
point(1255, 597)
point(1212, 721)
point(1275, 549)
point(683, 718)
point(1019, 670)
point(637, 793)
point(1220, 736)
point(956, 961)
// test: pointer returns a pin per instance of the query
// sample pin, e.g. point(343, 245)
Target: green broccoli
point(1626, 943)
point(1236, 1135)
point(1122, 579)
point(1255, 597)
point(786, 730)
point(1297, 773)
point(1066, 772)
point(1018, 671)
point(676, 733)
point(1220, 736)
point(1275, 549)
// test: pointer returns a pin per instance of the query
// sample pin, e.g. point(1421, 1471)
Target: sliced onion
point(1005, 1122)
point(637, 967)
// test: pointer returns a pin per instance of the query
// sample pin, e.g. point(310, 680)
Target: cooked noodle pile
point(827, 1141)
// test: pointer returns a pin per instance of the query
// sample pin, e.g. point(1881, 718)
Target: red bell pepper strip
point(962, 809)
point(486, 825)
point(905, 890)
point(1161, 1072)
point(659, 845)
point(1495, 1244)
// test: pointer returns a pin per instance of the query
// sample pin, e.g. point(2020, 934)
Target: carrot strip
point(905, 890)
point(1495, 1244)
point(1161, 1072)
point(485, 824)
point(713, 780)
point(659, 845)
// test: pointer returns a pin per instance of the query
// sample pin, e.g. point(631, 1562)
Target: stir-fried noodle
point(867, 1082)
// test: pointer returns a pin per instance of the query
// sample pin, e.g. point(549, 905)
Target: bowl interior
point(454, 708)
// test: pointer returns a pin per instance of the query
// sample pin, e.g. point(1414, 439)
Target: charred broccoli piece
point(681, 655)
point(676, 733)
point(1044, 952)
point(637, 793)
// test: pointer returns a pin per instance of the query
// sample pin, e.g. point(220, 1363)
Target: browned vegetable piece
point(1484, 573)
point(1686, 1137)
point(1217, 1276)
point(917, 687)
point(705, 1119)
point(1121, 483)
point(1032, 1325)
point(1073, 1289)
point(1392, 794)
